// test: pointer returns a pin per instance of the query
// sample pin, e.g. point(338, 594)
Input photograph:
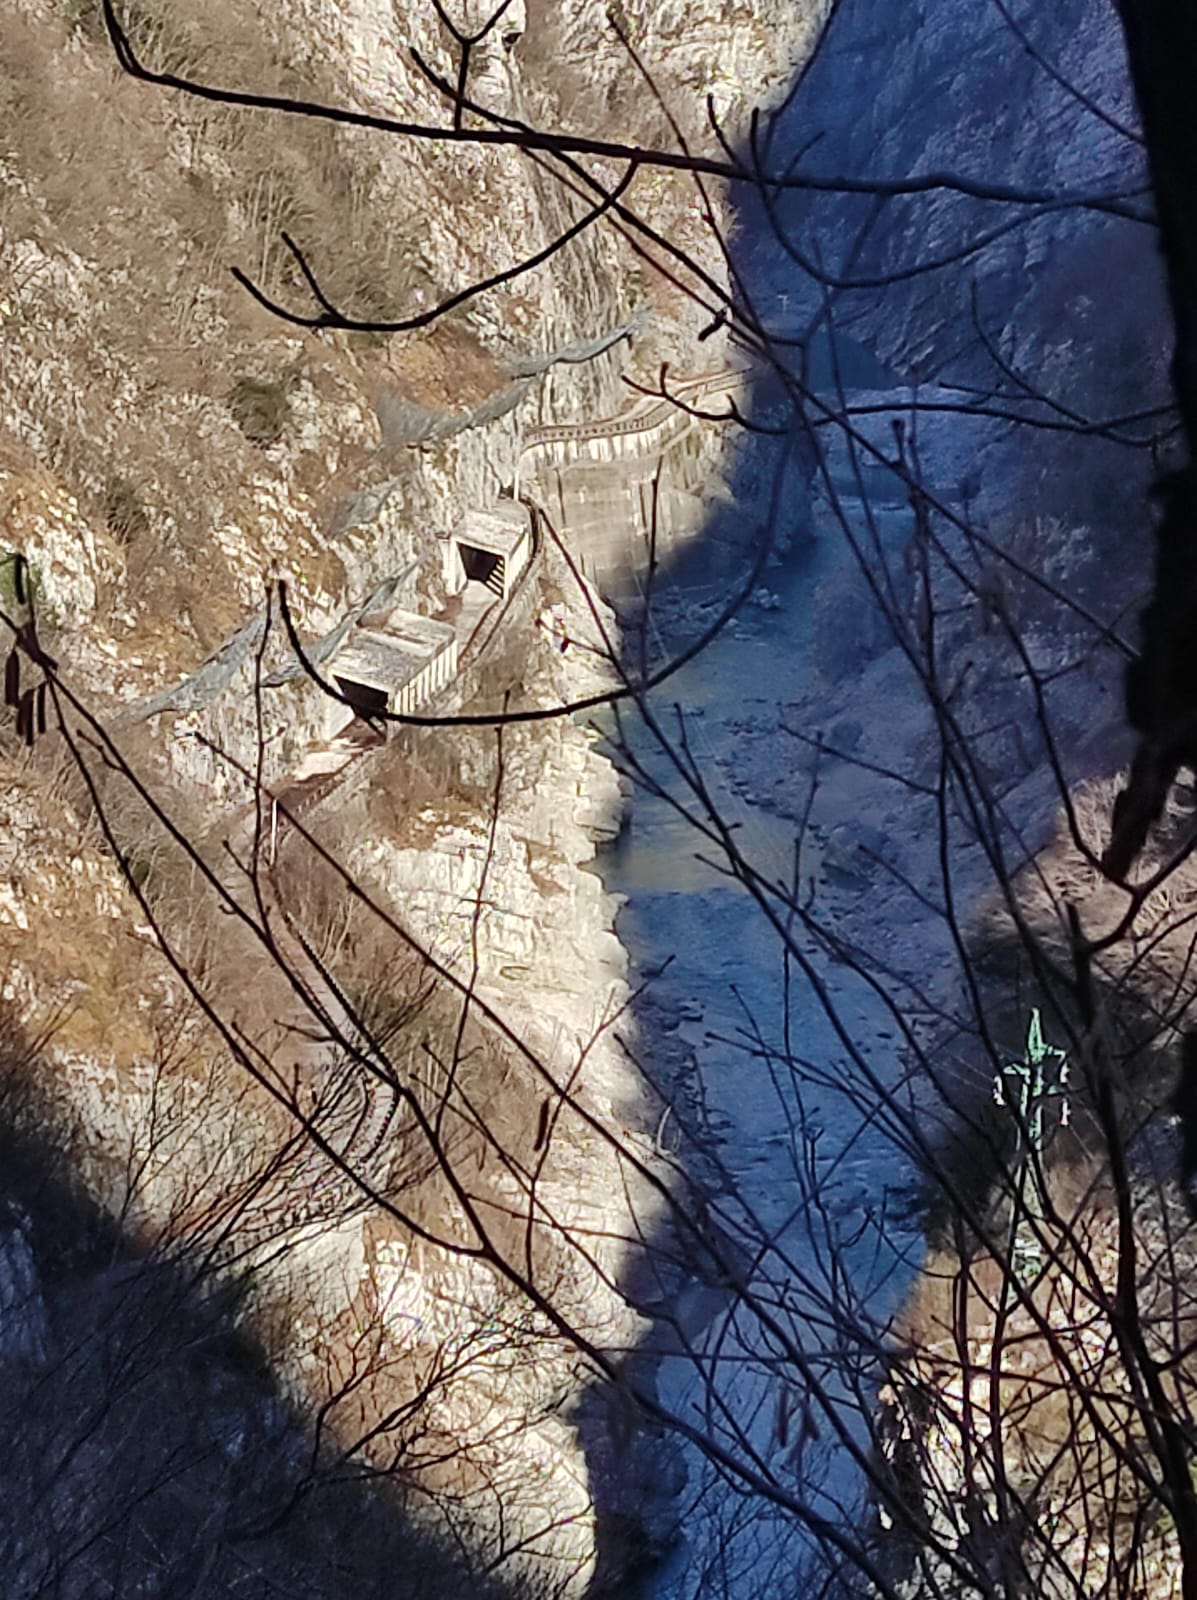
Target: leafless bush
point(1033, 1430)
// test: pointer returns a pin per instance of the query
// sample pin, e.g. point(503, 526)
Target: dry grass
point(66, 940)
point(1142, 977)
point(445, 368)
point(974, 1353)
point(128, 351)
point(146, 383)
point(1055, 1377)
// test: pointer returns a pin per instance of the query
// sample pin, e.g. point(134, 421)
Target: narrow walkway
point(650, 426)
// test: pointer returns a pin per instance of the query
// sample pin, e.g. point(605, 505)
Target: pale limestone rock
point(550, 962)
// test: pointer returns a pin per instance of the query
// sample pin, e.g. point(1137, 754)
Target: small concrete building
point(489, 547)
point(395, 668)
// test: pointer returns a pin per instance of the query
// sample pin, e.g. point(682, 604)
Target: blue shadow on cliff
point(981, 360)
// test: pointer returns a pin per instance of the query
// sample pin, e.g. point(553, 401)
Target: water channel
point(724, 994)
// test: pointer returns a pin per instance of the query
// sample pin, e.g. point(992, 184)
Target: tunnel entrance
point(483, 566)
point(489, 547)
point(364, 698)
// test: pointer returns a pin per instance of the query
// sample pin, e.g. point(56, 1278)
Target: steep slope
point(167, 447)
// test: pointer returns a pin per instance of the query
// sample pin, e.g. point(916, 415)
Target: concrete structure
point(396, 668)
point(489, 547)
point(653, 426)
point(640, 483)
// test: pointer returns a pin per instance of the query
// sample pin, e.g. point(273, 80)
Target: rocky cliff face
point(1021, 342)
point(194, 443)
point(1053, 302)
point(1060, 319)
point(1041, 108)
point(167, 446)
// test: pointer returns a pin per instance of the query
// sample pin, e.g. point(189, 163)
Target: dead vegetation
point(1021, 1423)
point(140, 376)
point(445, 369)
point(1017, 1408)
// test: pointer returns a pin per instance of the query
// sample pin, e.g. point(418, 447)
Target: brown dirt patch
point(444, 369)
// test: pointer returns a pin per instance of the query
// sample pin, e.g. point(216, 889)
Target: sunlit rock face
point(167, 448)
